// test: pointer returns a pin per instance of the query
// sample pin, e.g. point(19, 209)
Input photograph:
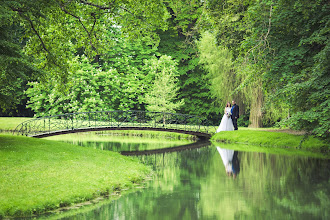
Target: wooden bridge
point(116, 120)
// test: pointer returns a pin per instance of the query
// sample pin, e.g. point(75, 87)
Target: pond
point(193, 183)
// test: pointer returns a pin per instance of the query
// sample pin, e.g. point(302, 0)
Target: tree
point(179, 42)
point(15, 71)
point(162, 95)
point(57, 29)
point(280, 53)
point(217, 61)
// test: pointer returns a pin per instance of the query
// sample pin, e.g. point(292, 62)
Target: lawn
point(40, 175)
point(270, 139)
point(10, 123)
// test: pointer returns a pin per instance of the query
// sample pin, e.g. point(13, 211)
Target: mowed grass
point(39, 175)
point(10, 123)
point(270, 139)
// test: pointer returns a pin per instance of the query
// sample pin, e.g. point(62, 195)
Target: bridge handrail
point(155, 118)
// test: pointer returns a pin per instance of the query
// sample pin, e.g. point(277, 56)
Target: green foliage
point(15, 68)
point(179, 42)
point(217, 61)
point(89, 90)
point(117, 82)
point(299, 75)
point(162, 94)
point(56, 29)
point(127, 57)
point(271, 56)
point(280, 51)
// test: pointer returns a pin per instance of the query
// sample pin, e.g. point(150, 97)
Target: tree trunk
point(256, 105)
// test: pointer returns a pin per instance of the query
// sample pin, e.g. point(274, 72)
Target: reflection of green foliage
point(193, 184)
point(267, 186)
point(262, 182)
point(111, 141)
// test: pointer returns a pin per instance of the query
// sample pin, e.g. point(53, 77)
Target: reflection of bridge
point(195, 145)
point(115, 120)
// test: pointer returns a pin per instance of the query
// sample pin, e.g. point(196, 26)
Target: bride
point(226, 122)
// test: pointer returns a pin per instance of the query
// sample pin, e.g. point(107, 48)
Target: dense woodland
point(186, 56)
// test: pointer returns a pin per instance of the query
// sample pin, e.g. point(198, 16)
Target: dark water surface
point(193, 184)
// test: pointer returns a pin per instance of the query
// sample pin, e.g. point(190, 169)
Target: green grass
point(270, 139)
point(40, 175)
point(10, 123)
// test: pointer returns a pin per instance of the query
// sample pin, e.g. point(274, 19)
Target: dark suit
point(235, 115)
point(235, 163)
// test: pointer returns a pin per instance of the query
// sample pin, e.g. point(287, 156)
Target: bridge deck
point(200, 135)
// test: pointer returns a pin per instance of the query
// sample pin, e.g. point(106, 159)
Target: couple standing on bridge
point(229, 119)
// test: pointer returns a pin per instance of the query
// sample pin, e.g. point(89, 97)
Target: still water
point(194, 184)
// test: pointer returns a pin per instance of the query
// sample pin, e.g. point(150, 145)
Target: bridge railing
point(114, 119)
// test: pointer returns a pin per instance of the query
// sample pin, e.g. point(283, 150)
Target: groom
point(234, 114)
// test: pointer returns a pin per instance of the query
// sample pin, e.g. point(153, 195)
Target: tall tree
point(163, 92)
point(280, 51)
point(57, 28)
point(179, 42)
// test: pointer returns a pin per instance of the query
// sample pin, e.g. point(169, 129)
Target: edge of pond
point(240, 141)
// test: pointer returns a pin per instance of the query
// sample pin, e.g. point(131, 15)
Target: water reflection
point(196, 145)
point(230, 161)
point(193, 184)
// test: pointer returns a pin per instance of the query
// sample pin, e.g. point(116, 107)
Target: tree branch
point(34, 30)
point(262, 39)
point(82, 24)
point(97, 6)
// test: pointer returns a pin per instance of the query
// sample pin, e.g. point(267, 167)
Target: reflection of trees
point(268, 186)
point(193, 184)
point(175, 174)
point(122, 146)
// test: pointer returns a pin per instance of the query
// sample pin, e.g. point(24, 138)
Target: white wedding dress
point(226, 122)
point(227, 158)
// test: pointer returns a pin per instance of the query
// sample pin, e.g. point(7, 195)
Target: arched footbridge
point(116, 120)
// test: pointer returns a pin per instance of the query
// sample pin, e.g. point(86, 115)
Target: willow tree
point(217, 61)
point(233, 30)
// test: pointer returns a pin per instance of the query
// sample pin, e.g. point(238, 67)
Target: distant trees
point(271, 56)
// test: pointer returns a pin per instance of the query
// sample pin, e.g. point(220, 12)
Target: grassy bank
point(40, 175)
point(10, 123)
point(270, 139)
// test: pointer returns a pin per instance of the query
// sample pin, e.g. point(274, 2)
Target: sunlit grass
point(270, 139)
point(10, 123)
point(39, 175)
